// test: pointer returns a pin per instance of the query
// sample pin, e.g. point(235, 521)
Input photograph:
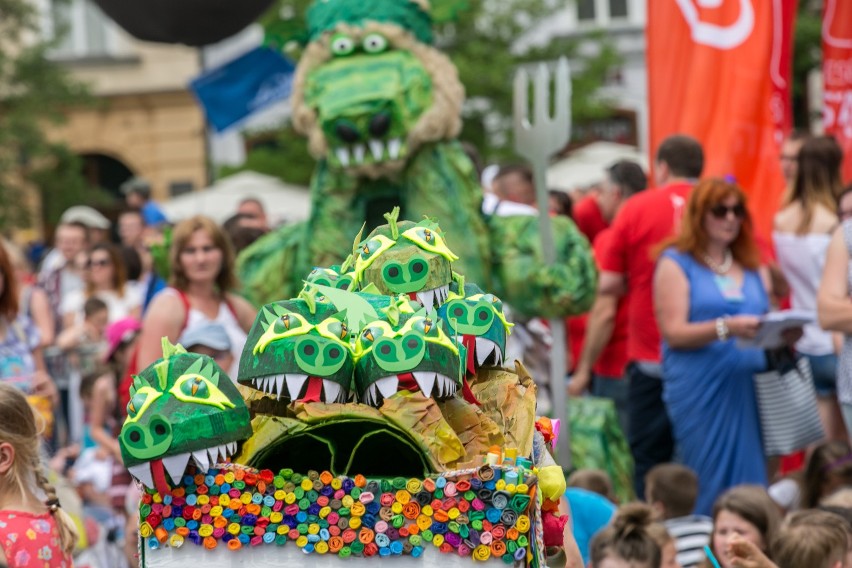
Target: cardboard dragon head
point(370, 89)
point(299, 350)
point(183, 409)
point(406, 258)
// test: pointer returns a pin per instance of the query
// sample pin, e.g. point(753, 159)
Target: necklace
point(718, 268)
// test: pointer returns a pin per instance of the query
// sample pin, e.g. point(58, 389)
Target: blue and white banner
point(243, 86)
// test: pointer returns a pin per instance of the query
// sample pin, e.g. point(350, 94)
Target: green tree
point(34, 92)
point(482, 41)
point(807, 56)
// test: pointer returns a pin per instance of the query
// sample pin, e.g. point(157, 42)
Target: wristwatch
point(722, 330)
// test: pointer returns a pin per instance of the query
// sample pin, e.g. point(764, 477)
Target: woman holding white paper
point(707, 292)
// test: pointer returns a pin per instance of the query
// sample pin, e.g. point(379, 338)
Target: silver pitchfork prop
point(537, 140)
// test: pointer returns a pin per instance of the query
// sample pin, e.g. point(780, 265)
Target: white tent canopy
point(283, 202)
point(585, 166)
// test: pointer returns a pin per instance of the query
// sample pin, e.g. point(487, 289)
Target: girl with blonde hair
point(34, 531)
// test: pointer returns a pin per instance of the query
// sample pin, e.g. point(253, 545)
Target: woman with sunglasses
point(106, 279)
point(708, 293)
point(802, 233)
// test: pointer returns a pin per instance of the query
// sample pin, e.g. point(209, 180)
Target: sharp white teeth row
point(274, 385)
point(175, 466)
point(357, 153)
point(434, 298)
point(426, 381)
point(384, 388)
point(445, 387)
point(488, 352)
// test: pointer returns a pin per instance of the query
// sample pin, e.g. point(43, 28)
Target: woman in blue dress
point(707, 293)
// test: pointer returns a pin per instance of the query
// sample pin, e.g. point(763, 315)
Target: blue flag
point(243, 86)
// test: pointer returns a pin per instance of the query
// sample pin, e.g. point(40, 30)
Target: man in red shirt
point(604, 378)
point(627, 268)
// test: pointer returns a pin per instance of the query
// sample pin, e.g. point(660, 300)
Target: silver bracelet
point(722, 330)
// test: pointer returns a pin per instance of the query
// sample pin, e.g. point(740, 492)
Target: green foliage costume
point(381, 109)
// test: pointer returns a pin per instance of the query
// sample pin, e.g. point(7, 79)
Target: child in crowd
point(87, 338)
point(671, 491)
point(627, 541)
point(212, 340)
point(594, 480)
point(744, 512)
point(815, 539)
point(34, 532)
point(828, 468)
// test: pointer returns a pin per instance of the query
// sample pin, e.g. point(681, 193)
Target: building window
point(585, 10)
point(617, 9)
point(83, 29)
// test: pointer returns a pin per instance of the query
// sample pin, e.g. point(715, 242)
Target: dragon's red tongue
point(314, 390)
point(469, 342)
point(412, 295)
point(159, 474)
point(407, 382)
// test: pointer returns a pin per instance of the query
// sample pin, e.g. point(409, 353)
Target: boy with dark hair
point(671, 490)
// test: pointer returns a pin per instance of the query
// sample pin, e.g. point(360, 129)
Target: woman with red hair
point(707, 293)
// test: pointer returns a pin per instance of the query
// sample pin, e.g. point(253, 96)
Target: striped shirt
point(691, 534)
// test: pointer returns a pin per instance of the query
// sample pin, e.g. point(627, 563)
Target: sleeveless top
point(226, 317)
point(802, 259)
point(31, 541)
point(844, 370)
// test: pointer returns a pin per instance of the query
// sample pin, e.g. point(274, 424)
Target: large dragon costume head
point(299, 350)
point(370, 89)
point(182, 407)
point(406, 258)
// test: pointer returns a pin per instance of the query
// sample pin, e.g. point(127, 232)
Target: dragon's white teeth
point(394, 147)
point(142, 472)
point(388, 386)
point(232, 449)
point(427, 298)
point(358, 153)
point(377, 149)
point(484, 349)
point(446, 386)
point(223, 452)
point(343, 156)
point(279, 384)
point(331, 390)
point(426, 381)
point(176, 466)
point(213, 454)
point(202, 460)
point(294, 384)
point(441, 294)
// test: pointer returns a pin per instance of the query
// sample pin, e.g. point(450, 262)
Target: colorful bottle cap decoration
point(457, 512)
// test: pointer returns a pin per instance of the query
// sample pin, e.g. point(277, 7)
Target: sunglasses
point(100, 263)
point(721, 211)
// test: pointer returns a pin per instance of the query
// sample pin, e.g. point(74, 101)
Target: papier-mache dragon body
point(381, 108)
point(365, 383)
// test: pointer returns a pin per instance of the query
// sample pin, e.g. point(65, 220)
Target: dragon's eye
point(194, 388)
point(141, 400)
point(342, 44)
point(374, 43)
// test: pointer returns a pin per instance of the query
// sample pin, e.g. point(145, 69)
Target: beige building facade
point(145, 121)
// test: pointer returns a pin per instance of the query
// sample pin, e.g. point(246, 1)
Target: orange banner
point(719, 70)
point(837, 76)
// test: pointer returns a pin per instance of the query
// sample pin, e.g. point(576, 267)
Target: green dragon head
point(299, 350)
point(478, 319)
point(406, 258)
point(369, 89)
point(405, 351)
point(181, 407)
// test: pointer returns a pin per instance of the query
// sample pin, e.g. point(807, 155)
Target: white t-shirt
point(118, 307)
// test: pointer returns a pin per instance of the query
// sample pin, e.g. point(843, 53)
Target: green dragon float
point(381, 108)
point(370, 421)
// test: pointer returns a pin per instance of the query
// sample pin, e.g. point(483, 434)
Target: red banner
point(719, 70)
point(837, 76)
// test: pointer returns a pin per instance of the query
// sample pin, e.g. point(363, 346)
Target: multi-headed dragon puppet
point(381, 108)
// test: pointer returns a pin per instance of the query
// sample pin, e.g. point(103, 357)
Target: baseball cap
point(136, 185)
point(119, 332)
point(212, 335)
point(85, 215)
